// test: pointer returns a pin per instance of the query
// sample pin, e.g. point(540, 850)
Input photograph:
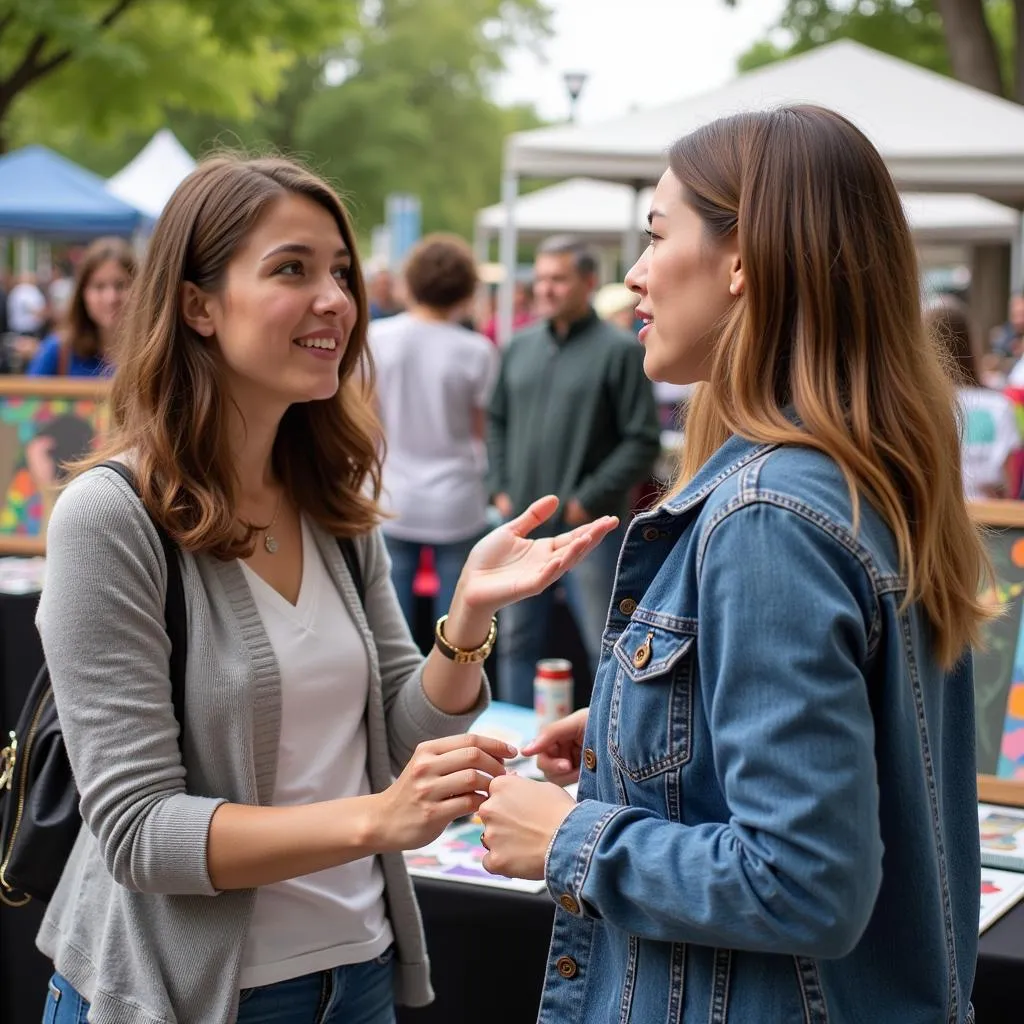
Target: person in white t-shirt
point(434, 379)
point(26, 307)
point(990, 430)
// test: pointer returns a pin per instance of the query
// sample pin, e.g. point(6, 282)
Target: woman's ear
point(736, 278)
point(195, 309)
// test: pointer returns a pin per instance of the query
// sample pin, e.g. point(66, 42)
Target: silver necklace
point(269, 540)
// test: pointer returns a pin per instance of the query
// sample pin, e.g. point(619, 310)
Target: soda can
point(552, 690)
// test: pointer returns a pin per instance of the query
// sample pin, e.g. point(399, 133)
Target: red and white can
point(552, 690)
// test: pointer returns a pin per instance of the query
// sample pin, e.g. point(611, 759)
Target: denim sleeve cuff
point(568, 857)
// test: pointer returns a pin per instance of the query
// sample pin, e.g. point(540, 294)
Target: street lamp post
point(574, 82)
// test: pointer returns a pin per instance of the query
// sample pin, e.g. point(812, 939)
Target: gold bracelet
point(457, 654)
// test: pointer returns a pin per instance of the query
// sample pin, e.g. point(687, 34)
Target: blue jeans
point(523, 627)
point(405, 561)
point(354, 994)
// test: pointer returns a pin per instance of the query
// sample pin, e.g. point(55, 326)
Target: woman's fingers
point(605, 524)
point(459, 760)
point(539, 512)
point(462, 784)
point(487, 744)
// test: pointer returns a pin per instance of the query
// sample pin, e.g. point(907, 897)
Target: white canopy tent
point(935, 134)
point(601, 211)
point(156, 171)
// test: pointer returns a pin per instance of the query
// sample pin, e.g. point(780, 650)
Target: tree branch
point(31, 70)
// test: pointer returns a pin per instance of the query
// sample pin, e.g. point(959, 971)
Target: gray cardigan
point(135, 924)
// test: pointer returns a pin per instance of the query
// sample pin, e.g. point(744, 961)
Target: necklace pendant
point(270, 544)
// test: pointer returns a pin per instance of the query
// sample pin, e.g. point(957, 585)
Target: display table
point(488, 947)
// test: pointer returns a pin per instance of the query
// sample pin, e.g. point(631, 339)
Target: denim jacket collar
point(732, 456)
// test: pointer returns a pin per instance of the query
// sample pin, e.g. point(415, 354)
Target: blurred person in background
point(616, 303)
point(59, 291)
point(990, 434)
point(26, 307)
point(1007, 338)
point(83, 346)
point(434, 379)
point(522, 311)
point(384, 299)
point(573, 415)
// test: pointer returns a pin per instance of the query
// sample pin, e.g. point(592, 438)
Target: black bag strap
point(349, 553)
point(174, 607)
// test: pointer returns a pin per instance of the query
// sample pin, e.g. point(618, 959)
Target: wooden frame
point(1000, 515)
point(29, 472)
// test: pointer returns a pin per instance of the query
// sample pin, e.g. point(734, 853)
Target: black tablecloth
point(488, 947)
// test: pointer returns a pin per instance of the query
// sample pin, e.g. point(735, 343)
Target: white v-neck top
point(336, 916)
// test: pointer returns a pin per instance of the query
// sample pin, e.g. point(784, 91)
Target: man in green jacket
point(572, 414)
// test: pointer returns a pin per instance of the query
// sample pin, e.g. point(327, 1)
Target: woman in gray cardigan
point(255, 872)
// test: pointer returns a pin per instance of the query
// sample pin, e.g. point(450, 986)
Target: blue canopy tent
point(45, 195)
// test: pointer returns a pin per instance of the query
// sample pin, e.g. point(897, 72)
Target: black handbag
point(39, 817)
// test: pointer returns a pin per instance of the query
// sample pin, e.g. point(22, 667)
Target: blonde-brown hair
point(78, 331)
point(829, 327)
point(169, 399)
point(949, 322)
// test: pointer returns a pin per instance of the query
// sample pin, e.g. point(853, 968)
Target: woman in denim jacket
point(776, 817)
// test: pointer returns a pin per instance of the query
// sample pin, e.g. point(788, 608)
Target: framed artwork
point(45, 422)
point(999, 664)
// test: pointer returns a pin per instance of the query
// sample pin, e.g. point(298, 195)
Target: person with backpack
point(241, 859)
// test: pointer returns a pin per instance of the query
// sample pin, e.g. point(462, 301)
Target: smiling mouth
point(327, 343)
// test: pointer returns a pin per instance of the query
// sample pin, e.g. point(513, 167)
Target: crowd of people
point(776, 785)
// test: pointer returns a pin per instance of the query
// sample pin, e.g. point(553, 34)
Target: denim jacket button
point(627, 606)
point(651, 533)
point(569, 904)
point(642, 654)
point(566, 966)
point(589, 759)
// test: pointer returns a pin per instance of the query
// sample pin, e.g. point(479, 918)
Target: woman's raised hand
point(507, 566)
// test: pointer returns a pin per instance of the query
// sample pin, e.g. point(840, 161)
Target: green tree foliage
point(401, 103)
point(101, 66)
point(952, 37)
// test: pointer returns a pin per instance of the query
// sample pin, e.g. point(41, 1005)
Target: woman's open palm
point(507, 565)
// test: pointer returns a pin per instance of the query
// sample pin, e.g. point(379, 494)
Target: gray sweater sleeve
point(411, 717)
point(101, 620)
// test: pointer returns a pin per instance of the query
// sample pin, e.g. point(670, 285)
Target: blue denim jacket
point(777, 817)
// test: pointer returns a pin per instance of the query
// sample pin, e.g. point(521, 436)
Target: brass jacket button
point(569, 904)
point(642, 654)
point(589, 759)
point(627, 606)
point(651, 533)
point(566, 966)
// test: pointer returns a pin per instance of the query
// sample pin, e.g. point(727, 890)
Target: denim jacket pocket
point(651, 714)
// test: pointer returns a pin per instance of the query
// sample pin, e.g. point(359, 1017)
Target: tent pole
point(506, 292)
point(481, 242)
point(631, 236)
point(1016, 251)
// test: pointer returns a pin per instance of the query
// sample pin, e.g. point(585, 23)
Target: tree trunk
point(1018, 51)
point(972, 49)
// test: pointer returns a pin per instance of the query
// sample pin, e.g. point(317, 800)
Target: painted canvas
point(999, 663)
point(44, 423)
point(457, 856)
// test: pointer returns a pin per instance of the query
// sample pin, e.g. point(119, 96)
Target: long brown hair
point(78, 331)
point(949, 323)
point(829, 326)
point(169, 404)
